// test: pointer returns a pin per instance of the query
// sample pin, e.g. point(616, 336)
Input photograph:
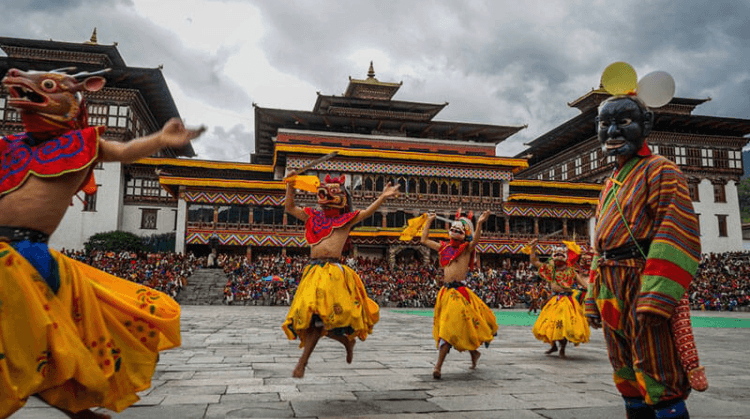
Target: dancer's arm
point(426, 232)
point(388, 191)
point(290, 207)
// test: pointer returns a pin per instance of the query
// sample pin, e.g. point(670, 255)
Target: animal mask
point(332, 194)
point(462, 226)
point(51, 101)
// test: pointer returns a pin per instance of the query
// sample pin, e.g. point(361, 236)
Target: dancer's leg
point(312, 336)
point(444, 349)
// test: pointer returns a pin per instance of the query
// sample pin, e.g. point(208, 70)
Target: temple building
point(708, 150)
point(441, 166)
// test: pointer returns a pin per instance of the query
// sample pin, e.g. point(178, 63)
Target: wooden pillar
point(385, 219)
point(507, 226)
point(536, 226)
point(250, 215)
point(249, 253)
point(565, 227)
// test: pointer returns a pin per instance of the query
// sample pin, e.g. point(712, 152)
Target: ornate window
point(693, 156)
point(720, 194)
point(680, 156)
point(721, 159)
point(722, 220)
point(148, 218)
point(89, 201)
point(200, 213)
point(594, 160)
point(693, 190)
point(707, 158)
point(735, 159)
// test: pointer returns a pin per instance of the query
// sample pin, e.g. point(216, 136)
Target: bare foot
point(87, 414)
point(299, 371)
point(551, 350)
point(562, 353)
point(436, 373)
point(474, 358)
point(350, 350)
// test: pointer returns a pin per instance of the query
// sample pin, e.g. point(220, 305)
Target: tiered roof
point(32, 54)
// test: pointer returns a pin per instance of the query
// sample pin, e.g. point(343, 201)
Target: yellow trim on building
point(223, 183)
point(205, 164)
point(552, 198)
point(556, 184)
point(403, 155)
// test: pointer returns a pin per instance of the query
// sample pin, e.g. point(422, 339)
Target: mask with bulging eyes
point(559, 254)
point(332, 194)
point(461, 229)
point(622, 125)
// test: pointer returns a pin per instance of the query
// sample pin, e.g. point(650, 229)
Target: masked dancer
point(331, 299)
point(461, 320)
point(75, 336)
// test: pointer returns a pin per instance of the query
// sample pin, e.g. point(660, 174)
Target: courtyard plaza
point(235, 362)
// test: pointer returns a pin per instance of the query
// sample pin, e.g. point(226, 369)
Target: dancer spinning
point(461, 320)
point(561, 319)
point(331, 299)
point(76, 336)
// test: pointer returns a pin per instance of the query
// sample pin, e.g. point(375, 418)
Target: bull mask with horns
point(51, 101)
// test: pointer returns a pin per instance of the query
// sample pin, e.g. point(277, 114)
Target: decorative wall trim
point(232, 198)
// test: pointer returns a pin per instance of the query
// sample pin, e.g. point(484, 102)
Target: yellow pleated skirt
point(335, 294)
point(93, 344)
point(464, 323)
point(562, 318)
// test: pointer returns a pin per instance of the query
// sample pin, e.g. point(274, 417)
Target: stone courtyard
point(235, 362)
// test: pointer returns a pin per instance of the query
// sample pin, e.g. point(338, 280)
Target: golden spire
point(93, 40)
point(371, 72)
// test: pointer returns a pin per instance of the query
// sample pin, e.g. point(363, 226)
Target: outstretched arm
point(478, 230)
point(388, 191)
point(173, 135)
point(426, 232)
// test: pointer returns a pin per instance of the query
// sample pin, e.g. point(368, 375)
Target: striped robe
point(651, 195)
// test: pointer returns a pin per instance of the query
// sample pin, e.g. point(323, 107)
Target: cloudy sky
point(495, 62)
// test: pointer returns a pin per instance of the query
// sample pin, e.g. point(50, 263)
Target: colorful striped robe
point(647, 200)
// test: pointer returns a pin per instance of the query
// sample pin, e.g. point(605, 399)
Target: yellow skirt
point(336, 295)
point(463, 323)
point(94, 343)
point(562, 318)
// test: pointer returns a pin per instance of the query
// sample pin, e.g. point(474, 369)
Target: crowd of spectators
point(722, 282)
point(272, 280)
point(167, 272)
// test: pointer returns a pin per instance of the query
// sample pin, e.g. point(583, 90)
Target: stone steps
point(205, 287)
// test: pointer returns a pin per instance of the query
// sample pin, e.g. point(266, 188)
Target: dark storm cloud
point(532, 58)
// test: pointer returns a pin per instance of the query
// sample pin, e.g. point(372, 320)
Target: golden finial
point(371, 72)
point(92, 41)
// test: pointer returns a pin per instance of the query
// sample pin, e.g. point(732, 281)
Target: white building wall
point(709, 223)
point(131, 219)
point(78, 225)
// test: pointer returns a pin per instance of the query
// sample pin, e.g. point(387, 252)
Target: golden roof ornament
point(371, 72)
point(92, 40)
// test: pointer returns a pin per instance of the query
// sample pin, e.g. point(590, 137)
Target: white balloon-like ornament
point(656, 89)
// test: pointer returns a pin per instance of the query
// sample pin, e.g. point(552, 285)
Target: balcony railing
point(300, 229)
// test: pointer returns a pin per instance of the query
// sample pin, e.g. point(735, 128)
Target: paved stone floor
point(236, 363)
